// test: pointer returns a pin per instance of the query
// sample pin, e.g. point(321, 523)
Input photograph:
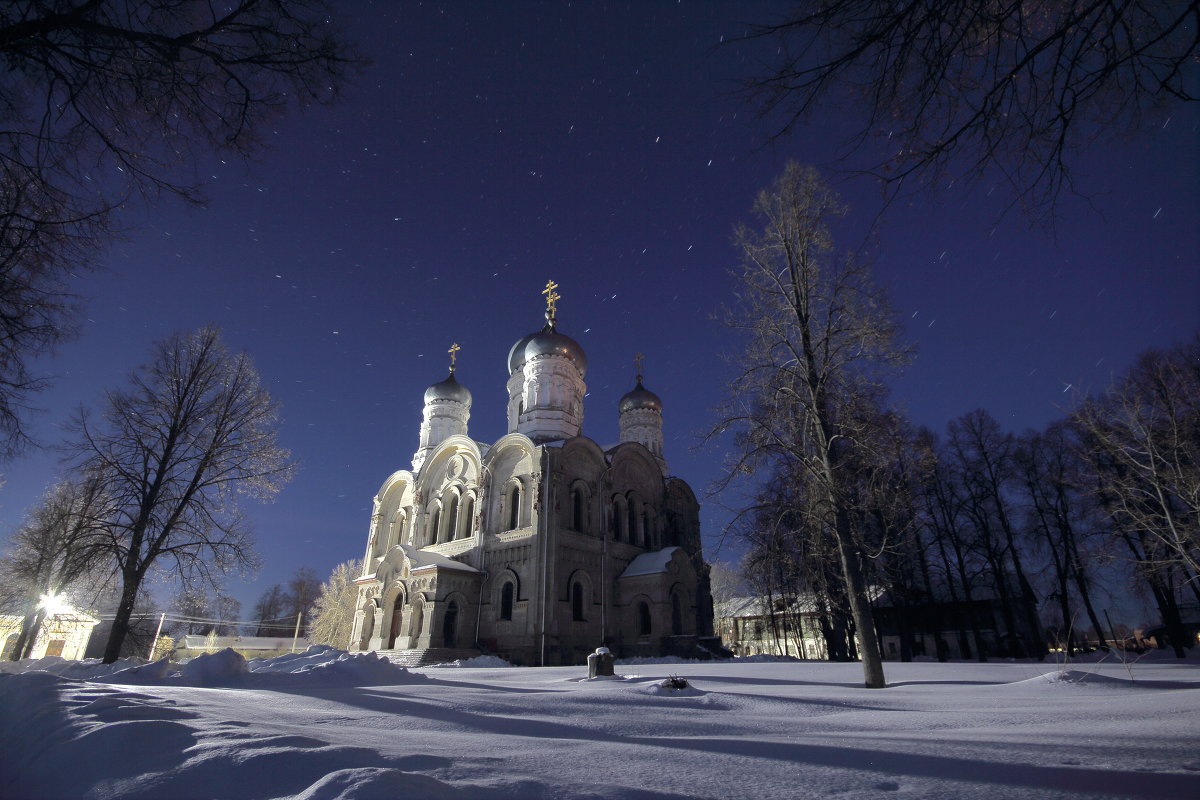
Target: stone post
point(600, 663)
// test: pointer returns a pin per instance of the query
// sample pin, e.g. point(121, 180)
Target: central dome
point(547, 341)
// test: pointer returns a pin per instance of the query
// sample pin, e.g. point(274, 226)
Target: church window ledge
point(519, 533)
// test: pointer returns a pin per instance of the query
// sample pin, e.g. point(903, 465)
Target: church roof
point(425, 559)
point(650, 563)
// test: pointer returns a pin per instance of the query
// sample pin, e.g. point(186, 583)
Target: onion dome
point(547, 341)
point(640, 398)
point(516, 356)
point(449, 389)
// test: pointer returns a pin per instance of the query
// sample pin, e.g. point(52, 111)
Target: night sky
point(491, 147)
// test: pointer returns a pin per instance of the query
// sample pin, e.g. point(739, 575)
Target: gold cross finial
point(453, 351)
point(552, 298)
point(638, 361)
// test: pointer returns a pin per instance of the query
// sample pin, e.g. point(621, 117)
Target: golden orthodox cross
point(453, 351)
point(638, 361)
point(552, 297)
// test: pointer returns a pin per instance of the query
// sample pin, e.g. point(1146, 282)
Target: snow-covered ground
point(327, 725)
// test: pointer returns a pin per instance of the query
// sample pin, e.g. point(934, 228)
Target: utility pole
point(154, 641)
point(296, 635)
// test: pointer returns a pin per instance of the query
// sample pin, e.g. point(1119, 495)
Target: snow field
point(328, 725)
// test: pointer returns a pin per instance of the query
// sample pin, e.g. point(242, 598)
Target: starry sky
point(490, 147)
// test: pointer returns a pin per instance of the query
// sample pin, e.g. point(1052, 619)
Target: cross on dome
point(637, 360)
point(453, 351)
point(552, 298)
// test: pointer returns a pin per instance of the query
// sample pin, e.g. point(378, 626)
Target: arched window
point(643, 618)
point(619, 520)
point(451, 520)
point(577, 509)
point(632, 525)
point(647, 529)
point(577, 601)
point(506, 600)
point(514, 507)
point(434, 519)
point(676, 615)
point(465, 514)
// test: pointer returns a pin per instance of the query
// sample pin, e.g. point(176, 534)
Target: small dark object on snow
point(600, 663)
point(674, 682)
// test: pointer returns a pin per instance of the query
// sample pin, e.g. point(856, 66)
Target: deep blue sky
point(491, 147)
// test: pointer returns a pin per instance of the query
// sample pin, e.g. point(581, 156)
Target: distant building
point(64, 634)
point(751, 626)
point(249, 646)
point(543, 545)
point(956, 630)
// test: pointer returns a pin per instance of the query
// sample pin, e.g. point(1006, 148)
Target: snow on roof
point(741, 607)
point(426, 559)
point(650, 563)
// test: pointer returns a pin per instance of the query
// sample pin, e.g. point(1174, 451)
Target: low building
point(249, 646)
point(751, 626)
point(65, 634)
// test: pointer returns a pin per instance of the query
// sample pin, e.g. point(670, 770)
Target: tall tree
point(56, 557)
point(193, 433)
point(1141, 441)
point(333, 611)
point(964, 86)
point(102, 101)
point(303, 589)
point(818, 336)
point(271, 612)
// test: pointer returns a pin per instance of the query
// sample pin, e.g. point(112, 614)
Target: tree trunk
point(121, 620)
point(860, 607)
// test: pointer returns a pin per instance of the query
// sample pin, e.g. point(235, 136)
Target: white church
point(542, 546)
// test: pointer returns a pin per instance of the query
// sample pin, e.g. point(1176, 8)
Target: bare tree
point(818, 335)
point(1141, 442)
point(271, 611)
point(56, 557)
point(193, 433)
point(1142, 439)
point(302, 591)
point(105, 100)
point(333, 612)
point(1014, 85)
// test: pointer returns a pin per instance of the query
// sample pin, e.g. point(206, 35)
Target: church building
point(544, 545)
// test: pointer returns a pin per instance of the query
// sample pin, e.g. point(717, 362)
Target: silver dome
point(640, 397)
point(547, 341)
point(449, 389)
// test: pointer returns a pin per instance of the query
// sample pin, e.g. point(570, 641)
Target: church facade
point(542, 546)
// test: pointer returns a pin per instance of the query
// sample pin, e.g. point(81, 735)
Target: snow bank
point(478, 662)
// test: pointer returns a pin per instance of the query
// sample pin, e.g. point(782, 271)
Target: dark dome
point(547, 341)
point(449, 389)
point(640, 397)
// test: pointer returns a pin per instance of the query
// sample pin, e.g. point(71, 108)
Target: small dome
point(547, 341)
point(639, 398)
point(449, 389)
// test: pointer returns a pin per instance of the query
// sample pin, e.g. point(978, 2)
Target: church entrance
point(397, 618)
point(450, 625)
